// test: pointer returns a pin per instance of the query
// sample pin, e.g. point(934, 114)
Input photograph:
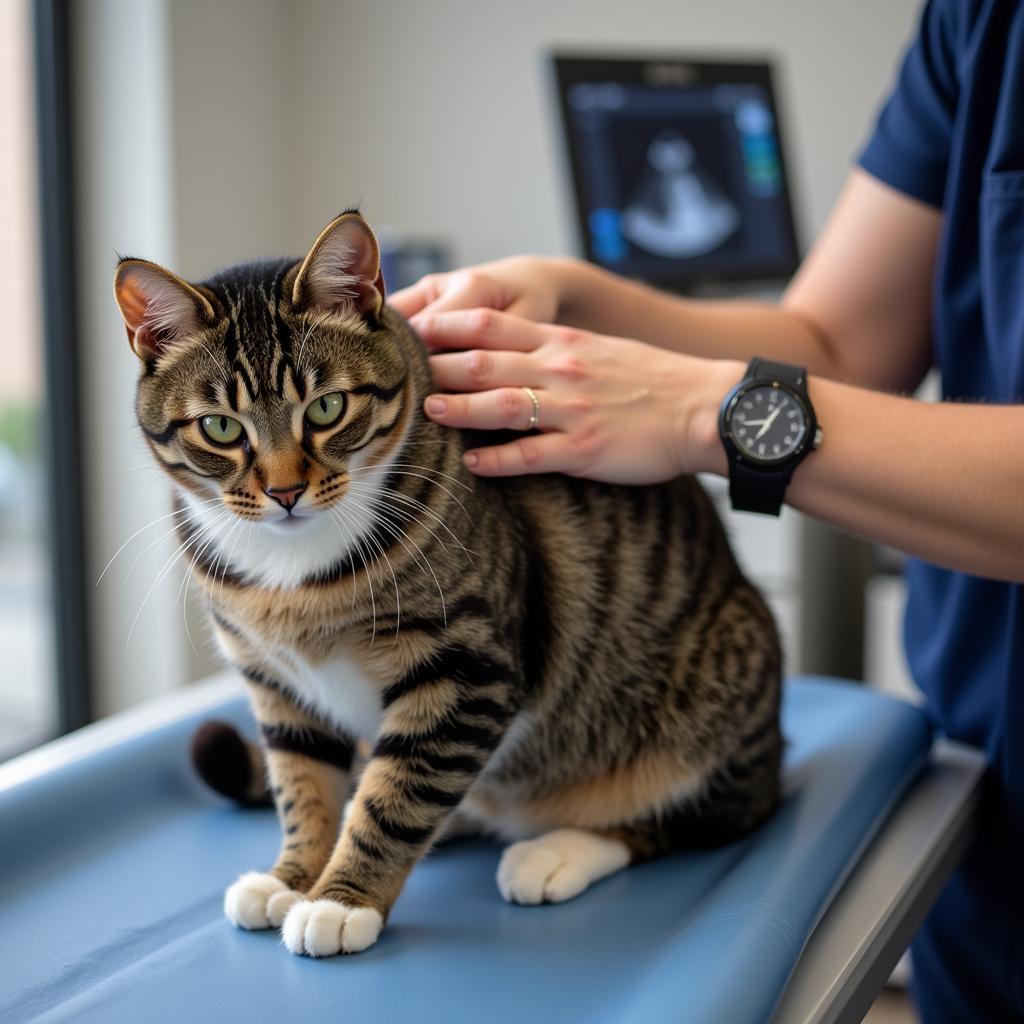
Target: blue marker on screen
point(609, 244)
point(756, 126)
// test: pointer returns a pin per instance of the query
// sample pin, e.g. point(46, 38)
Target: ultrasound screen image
point(675, 207)
point(680, 183)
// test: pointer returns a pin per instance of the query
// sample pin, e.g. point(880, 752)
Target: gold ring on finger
point(535, 414)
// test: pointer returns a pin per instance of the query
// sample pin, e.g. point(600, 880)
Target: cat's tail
point(230, 764)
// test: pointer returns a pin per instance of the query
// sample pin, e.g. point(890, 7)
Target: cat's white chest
point(338, 689)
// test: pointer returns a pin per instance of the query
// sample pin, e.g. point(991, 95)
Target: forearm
point(596, 300)
point(943, 482)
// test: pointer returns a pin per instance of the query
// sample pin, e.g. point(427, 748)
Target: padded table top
point(113, 866)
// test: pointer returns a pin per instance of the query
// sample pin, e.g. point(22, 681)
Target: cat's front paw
point(323, 928)
point(258, 900)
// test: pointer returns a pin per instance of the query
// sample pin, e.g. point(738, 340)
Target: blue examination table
point(113, 862)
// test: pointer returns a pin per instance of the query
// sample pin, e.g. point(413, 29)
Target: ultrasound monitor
point(677, 169)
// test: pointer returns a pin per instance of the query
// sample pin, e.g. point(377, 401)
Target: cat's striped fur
point(532, 657)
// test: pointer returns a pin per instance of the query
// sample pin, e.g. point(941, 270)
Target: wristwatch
point(768, 427)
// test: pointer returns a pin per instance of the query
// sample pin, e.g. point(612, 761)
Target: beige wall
point(438, 114)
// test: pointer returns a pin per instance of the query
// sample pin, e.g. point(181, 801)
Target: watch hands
point(767, 423)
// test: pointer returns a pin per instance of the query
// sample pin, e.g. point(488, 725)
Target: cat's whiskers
point(227, 546)
point(419, 476)
point(419, 506)
point(154, 545)
point(379, 512)
point(170, 563)
point(342, 521)
point(372, 541)
point(182, 595)
point(149, 525)
point(401, 536)
point(426, 469)
point(351, 547)
point(206, 530)
point(401, 516)
point(227, 564)
point(191, 570)
point(163, 537)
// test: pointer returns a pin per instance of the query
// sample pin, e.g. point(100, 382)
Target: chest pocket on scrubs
point(1001, 226)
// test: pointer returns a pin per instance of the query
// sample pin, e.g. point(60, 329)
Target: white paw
point(258, 900)
point(557, 866)
point(323, 928)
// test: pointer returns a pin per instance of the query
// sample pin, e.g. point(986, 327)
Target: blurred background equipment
point(403, 261)
point(678, 169)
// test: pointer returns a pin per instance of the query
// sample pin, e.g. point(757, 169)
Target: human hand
point(609, 408)
point(527, 286)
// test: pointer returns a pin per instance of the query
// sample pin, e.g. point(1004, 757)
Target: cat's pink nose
point(286, 497)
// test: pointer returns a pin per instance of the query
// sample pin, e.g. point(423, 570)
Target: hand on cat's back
point(593, 406)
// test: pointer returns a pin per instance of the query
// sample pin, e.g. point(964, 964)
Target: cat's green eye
point(221, 429)
point(326, 409)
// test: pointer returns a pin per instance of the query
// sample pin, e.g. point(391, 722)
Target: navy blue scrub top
point(952, 136)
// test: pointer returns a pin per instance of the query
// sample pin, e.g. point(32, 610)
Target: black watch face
point(768, 424)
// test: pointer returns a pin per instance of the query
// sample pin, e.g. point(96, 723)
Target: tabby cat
point(578, 668)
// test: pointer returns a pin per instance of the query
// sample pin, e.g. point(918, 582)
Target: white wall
point(215, 131)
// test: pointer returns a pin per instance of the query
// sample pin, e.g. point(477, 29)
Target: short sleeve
point(910, 146)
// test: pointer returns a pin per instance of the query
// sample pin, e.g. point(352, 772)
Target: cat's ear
point(342, 270)
point(158, 307)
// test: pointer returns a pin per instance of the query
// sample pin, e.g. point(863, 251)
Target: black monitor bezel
point(574, 68)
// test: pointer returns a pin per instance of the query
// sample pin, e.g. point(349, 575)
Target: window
point(43, 656)
point(28, 693)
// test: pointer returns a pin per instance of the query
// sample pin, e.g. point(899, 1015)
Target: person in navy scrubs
point(921, 264)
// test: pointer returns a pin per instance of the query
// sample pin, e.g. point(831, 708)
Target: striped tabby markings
point(309, 766)
point(396, 436)
point(647, 785)
point(433, 742)
point(177, 463)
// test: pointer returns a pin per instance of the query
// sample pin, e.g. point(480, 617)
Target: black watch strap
point(754, 490)
point(794, 376)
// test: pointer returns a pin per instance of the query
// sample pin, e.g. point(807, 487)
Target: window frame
point(63, 452)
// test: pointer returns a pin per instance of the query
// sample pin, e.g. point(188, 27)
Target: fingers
point(443, 293)
point(537, 453)
point(500, 409)
point(465, 290)
point(409, 301)
point(481, 369)
point(481, 328)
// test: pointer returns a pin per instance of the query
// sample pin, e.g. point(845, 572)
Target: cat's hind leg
point(560, 864)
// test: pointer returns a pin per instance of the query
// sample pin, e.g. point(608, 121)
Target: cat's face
point(270, 392)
